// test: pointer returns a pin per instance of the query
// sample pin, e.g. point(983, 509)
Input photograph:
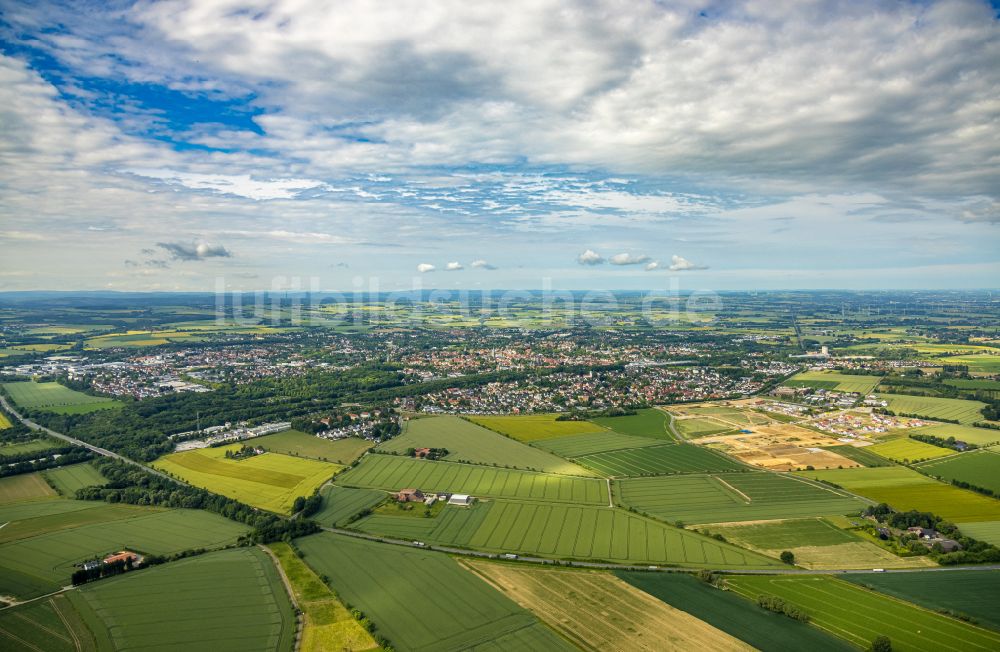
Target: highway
point(77, 442)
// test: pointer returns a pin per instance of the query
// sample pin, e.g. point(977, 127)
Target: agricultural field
point(67, 479)
point(132, 339)
point(974, 384)
point(535, 427)
point(33, 566)
point(393, 472)
point(834, 381)
point(574, 446)
point(906, 450)
point(858, 615)
point(300, 444)
point(32, 446)
point(52, 625)
point(780, 447)
point(694, 427)
point(906, 489)
point(983, 531)
point(816, 543)
point(226, 600)
point(467, 442)
point(26, 486)
point(598, 611)
point(341, 503)
point(951, 409)
point(859, 454)
point(734, 615)
point(972, 593)
point(659, 460)
point(644, 423)
point(980, 468)
point(24, 520)
point(970, 434)
point(271, 481)
point(982, 362)
point(4, 421)
point(565, 532)
point(328, 625)
point(387, 583)
point(733, 497)
point(53, 397)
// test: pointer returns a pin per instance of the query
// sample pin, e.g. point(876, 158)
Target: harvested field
point(598, 611)
point(781, 447)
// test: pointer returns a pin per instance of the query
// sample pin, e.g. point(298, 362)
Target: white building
point(460, 499)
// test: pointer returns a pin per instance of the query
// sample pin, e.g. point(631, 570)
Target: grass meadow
point(598, 611)
point(858, 615)
point(468, 442)
point(231, 600)
point(733, 497)
point(393, 472)
point(32, 446)
point(649, 422)
point(732, 614)
point(421, 600)
point(53, 397)
point(300, 444)
point(270, 481)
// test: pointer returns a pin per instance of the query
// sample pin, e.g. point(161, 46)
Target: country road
point(633, 567)
point(77, 442)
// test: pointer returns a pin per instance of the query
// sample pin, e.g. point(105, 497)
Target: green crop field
point(969, 434)
point(67, 479)
point(300, 444)
point(660, 460)
point(906, 450)
point(573, 446)
point(341, 503)
point(973, 383)
point(27, 486)
point(414, 598)
point(270, 481)
point(33, 446)
point(4, 423)
point(972, 593)
point(54, 397)
point(833, 380)
point(859, 454)
point(534, 427)
point(33, 566)
point(396, 472)
point(782, 535)
point(467, 442)
point(733, 497)
point(982, 362)
point(858, 615)
point(980, 468)
point(227, 600)
point(732, 614)
point(988, 531)
point(565, 532)
point(644, 423)
point(952, 409)
point(692, 428)
point(26, 520)
point(51, 625)
point(906, 489)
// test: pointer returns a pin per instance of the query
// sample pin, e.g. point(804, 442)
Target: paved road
point(608, 566)
point(77, 442)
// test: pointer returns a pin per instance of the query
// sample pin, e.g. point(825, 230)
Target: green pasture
point(980, 468)
point(695, 427)
point(930, 407)
point(468, 442)
point(53, 397)
point(231, 600)
point(32, 446)
point(300, 444)
point(733, 497)
point(36, 565)
point(393, 472)
point(421, 600)
point(660, 460)
point(732, 614)
point(341, 503)
point(859, 616)
point(533, 427)
point(970, 593)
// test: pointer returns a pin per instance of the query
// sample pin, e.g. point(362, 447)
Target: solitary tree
point(881, 644)
point(788, 557)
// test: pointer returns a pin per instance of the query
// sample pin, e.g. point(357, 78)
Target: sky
point(203, 144)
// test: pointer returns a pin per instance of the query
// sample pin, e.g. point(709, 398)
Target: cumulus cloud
point(482, 264)
point(194, 251)
point(654, 265)
point(628, 259)
point(453, 266)
point(590, 257)
point(680, 264)
point(423, 268)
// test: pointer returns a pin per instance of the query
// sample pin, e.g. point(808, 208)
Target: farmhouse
point(410, 496)
point(124, 556)
point(463, 500)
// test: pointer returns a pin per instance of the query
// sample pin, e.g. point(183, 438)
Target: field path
point(299, 614)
